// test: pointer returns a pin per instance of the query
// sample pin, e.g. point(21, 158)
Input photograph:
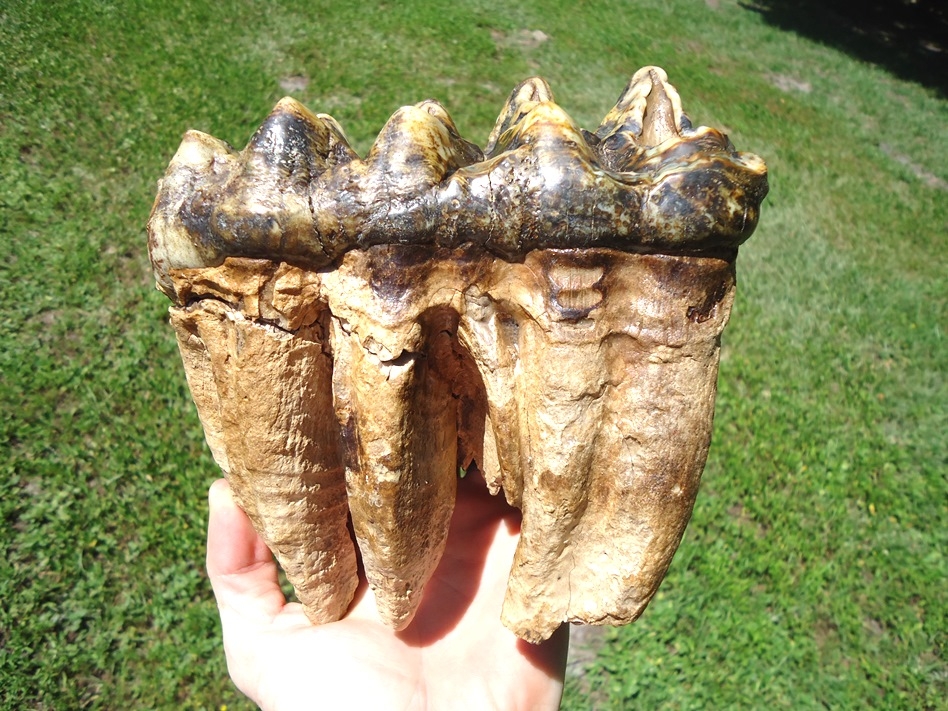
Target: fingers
point(239, 564)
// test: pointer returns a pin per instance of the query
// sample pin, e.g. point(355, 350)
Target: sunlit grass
point(812, 574)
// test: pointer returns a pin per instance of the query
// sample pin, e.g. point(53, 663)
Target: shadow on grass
point(906, 37)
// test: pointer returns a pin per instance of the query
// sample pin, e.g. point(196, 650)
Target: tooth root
point(558, 381)
point(198, 370)
point(492, 336)
point(399, 425)
point(655, 430)
point(467, 388)
point(560, 432)
point(264, 397)
point(489, 463)
point(614, 422)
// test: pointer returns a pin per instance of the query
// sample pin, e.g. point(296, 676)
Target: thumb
point(239, 564)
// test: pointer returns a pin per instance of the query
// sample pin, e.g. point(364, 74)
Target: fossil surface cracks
point(548, 309)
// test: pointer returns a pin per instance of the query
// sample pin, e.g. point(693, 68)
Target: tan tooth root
point(394, 343)
point(637, 432)
point(489, 464)
point(654, 437)
point(492, 337)
point(562, 378)
point(556, 383)
point(401, 471)
point(199, 372)
point(549, 310)
point(460, 369)
point(264, 398)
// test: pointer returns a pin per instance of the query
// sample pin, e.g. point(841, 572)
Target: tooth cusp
point(522, 99)
point(292, 144)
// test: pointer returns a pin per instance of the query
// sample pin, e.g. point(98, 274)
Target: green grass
point(813, 572)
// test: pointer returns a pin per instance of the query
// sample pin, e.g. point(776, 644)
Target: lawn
point(813, 574)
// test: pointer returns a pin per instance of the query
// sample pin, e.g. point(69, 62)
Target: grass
point(813, 572)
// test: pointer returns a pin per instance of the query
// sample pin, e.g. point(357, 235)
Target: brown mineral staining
point(549, 309)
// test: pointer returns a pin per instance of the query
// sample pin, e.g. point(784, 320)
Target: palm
point(455, 654)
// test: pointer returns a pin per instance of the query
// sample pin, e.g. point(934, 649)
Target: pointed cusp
point(661, 121)
point(201, 162)
point(293, 146)
point(266, 208)
point(524, 97)
point(418, 147)
point(647, 113)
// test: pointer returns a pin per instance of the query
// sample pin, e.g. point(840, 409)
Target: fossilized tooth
point(551, 312)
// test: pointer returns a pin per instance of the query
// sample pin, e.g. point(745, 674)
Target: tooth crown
point(353, 331)
point(644, 181)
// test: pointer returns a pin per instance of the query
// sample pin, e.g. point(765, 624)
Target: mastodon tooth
point(354, 330)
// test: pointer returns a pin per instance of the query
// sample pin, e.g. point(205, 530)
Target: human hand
point(455, 654)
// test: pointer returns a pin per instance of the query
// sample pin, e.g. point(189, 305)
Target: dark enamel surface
point(644, 181)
